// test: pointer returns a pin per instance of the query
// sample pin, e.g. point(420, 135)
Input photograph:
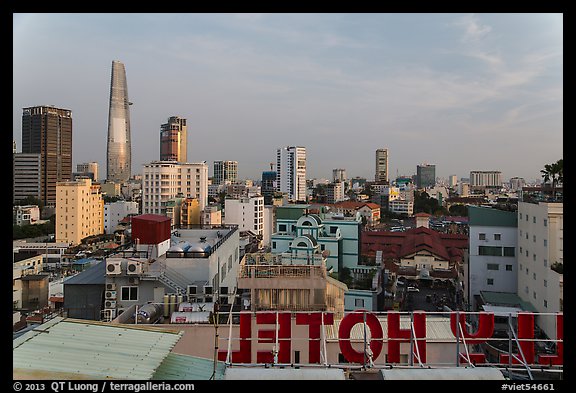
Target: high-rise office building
point(291, 172)
point(267, 187)
point(482, 180)
point(47, 130)
point(225, 171)
point(381, 166)
point(118, 153)
point(425, 175)
point(173, 140)
point(87, 169)
point(339, 174)
point(27, 176)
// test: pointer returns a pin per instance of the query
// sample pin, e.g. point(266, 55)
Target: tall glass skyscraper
point(173, 140)
point(47, 130)
point(118, 153)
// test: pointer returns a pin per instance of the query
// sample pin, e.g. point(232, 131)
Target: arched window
point(302, 244)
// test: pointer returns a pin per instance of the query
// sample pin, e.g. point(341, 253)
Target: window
point(520, 232)
point(493, 266)
point(527, 271)
point(490, 251)
point(534, 257)
point(534, 220)
point(481, 236)
point(534, 294)
point(526, 235)
point(534, 276)
point(545, 222)
point(508, 268)
point(273, 244)
point(526, 289)
point(509, 251)
point(526, 253)
point(545, 304)
point(545, 283)
point(545, 243)
point(282, 227)
point(359, 302)
point(520, 215)
point(490, 281)
point(129, 293)
point(534, 238)
point(497, 236)
point(520, 250)
point(545, 262)
point(322, 247)
point(333, 229)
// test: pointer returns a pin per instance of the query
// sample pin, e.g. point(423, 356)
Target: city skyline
point(464, 92)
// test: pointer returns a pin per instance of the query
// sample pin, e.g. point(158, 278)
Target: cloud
point(473, 29)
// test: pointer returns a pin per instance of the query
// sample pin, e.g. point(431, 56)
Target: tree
point(30, 200)
point(345, 276)
point(554, 172)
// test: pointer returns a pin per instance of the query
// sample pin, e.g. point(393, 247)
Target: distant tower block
point(118, 153)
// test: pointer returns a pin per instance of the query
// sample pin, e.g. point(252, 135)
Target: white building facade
point(164, 180)
point(247, 213)
point(291, 172)
point(540, 245)
point(493, 264)
point(115, 212)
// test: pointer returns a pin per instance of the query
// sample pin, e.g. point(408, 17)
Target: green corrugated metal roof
point(506, 299)
point(93, 350)
point(184, 367)
point(490, 217)
point(290, 212)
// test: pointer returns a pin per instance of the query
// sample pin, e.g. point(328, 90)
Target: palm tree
point(554, 172)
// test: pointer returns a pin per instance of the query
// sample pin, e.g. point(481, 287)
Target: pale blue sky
point(461, 91)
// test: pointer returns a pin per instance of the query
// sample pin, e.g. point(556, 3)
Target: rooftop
point(65, 348)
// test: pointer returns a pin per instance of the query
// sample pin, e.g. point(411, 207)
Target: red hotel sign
point(396, 335)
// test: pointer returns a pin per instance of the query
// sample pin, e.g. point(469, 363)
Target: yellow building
point(79, 210)
point(190, 212)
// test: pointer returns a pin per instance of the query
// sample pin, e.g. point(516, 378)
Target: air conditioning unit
point(110, 304)
point(134, 267)
point(111, 286)
point(113, 267)
point(109, 313)
point(133, 280)
point(110, 295)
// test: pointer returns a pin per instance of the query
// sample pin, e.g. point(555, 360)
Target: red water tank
point(150, 228)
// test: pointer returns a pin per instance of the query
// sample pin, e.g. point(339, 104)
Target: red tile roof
point(398, 245)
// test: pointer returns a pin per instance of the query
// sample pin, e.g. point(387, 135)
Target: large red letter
point(559, 358)
point(244, 355)
point(269, 336)
point(484, 332)
point(397, 336)
point(314, 320)
point(525, 331)
point(376, 333)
